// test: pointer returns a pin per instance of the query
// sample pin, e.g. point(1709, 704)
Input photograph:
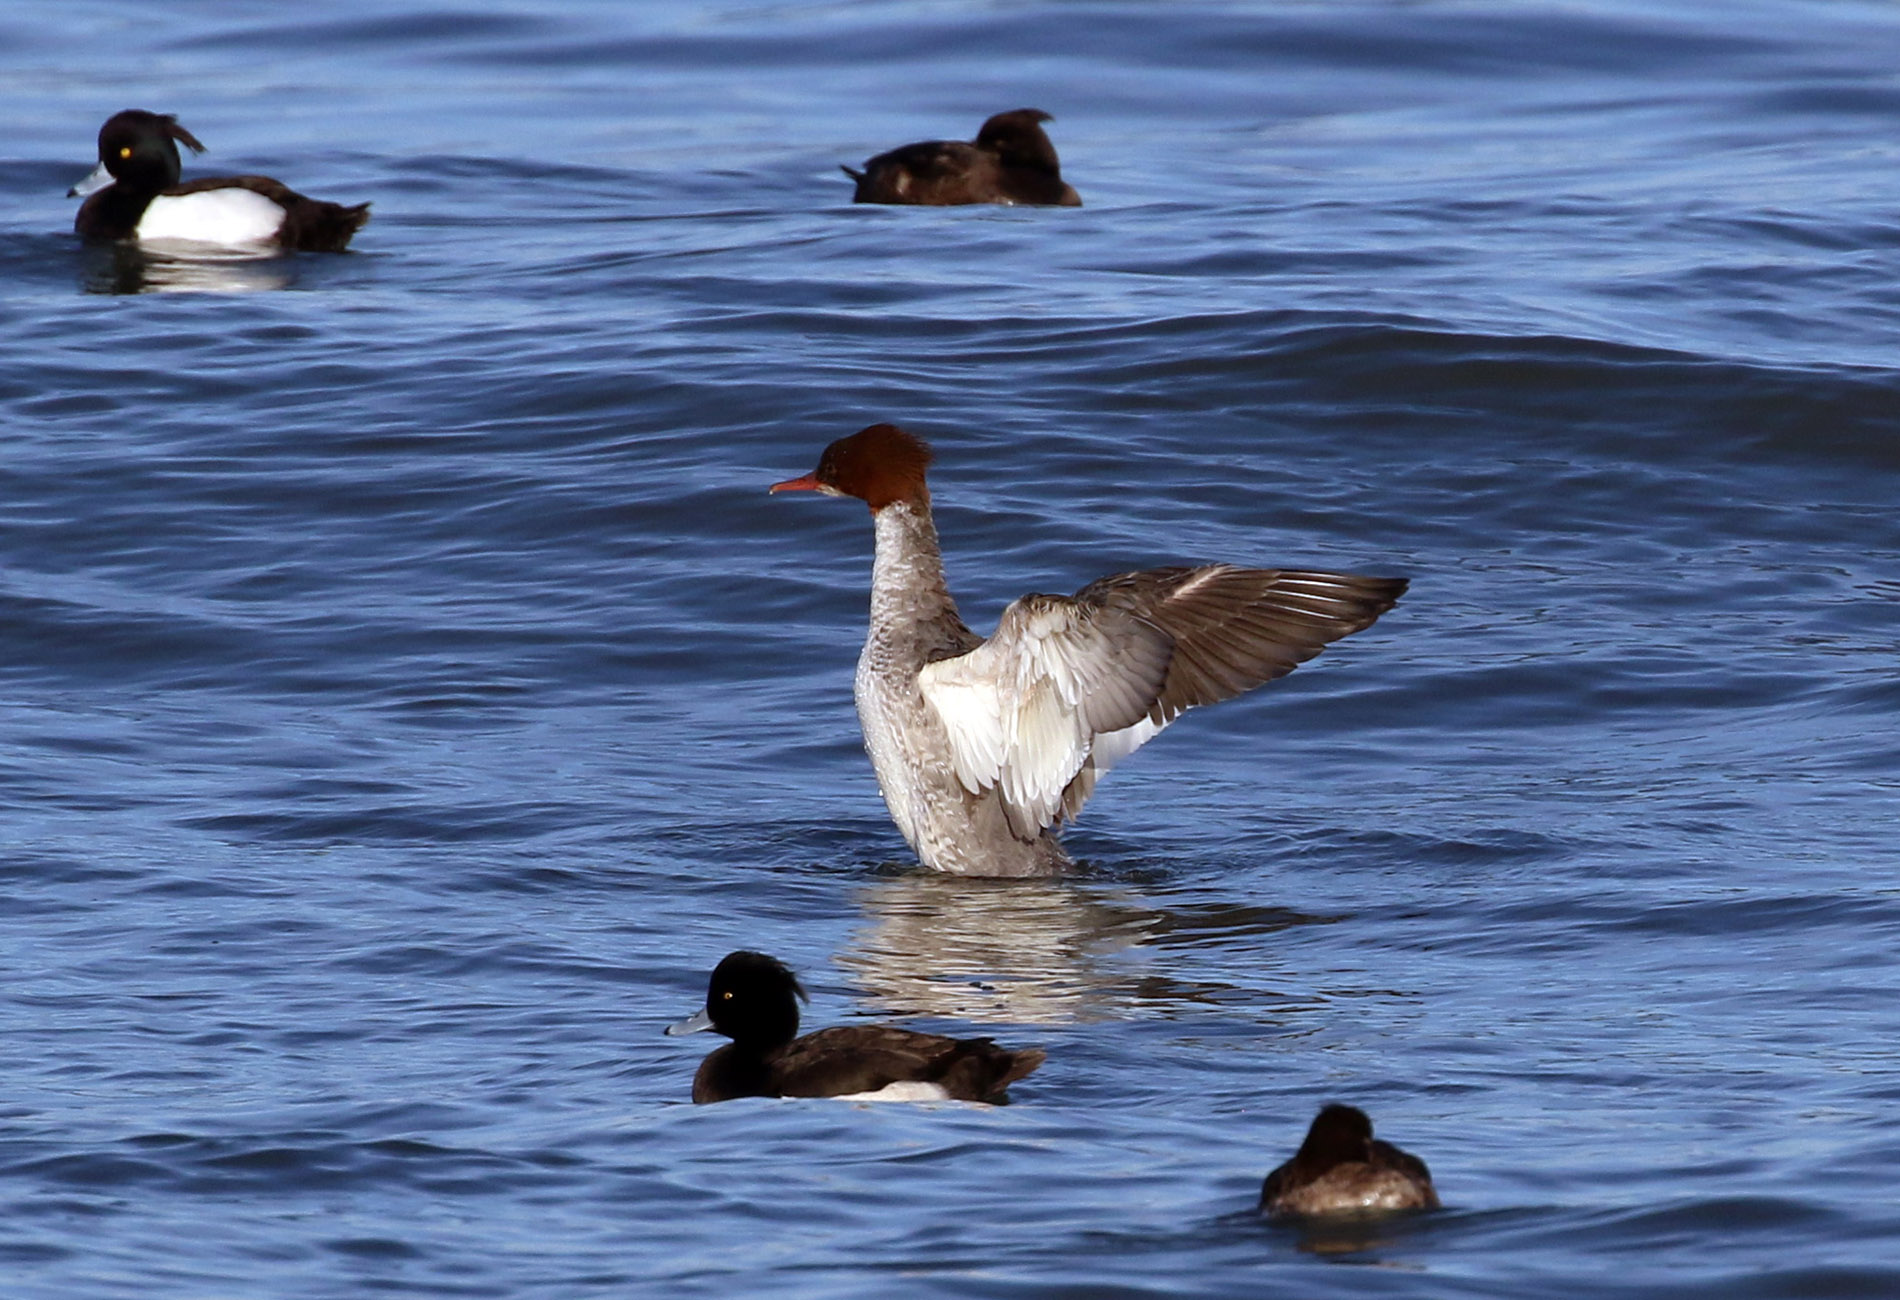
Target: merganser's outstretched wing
point(1070, 685)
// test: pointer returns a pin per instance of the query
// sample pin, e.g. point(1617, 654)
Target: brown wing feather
point(934, 172)
point(1232, 629)
point(1235, 629)
point(849, 1059)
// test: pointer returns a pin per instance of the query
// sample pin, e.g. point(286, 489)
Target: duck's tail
point(982, 1071)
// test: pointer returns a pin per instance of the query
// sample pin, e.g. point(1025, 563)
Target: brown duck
point(1010, 161)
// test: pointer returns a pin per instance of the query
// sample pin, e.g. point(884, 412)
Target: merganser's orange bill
point(809, 483)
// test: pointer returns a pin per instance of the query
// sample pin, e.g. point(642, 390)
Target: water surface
point(411, 691)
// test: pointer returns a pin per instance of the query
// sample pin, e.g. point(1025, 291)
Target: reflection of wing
point(1069, 686)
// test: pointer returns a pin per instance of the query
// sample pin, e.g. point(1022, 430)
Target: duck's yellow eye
point(726, 996)
point(125, 151)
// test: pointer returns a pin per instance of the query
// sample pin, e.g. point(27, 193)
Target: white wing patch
point(1111, 747)
point(1068, 687)
point(1025, 709)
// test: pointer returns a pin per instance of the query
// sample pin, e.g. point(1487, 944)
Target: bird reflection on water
point(128, 268)
point(1347, 1239)
point(1032, 951)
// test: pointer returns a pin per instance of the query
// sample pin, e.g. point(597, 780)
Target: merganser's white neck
point(907, 582)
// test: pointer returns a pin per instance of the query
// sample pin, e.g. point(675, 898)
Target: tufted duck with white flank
point(135, 193)
point(753, 1000)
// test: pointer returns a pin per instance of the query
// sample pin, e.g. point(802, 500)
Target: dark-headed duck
point(134, 193)
point(1342, 1169)
point(983, 748)
point(1010, 161)
point(753, 1000)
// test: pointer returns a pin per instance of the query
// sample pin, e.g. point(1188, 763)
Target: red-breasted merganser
point(983, 748)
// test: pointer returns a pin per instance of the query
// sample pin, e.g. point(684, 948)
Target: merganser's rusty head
point(880, 465)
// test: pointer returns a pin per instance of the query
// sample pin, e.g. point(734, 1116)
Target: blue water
point(410, 691)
